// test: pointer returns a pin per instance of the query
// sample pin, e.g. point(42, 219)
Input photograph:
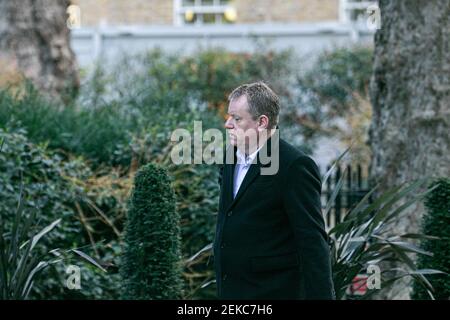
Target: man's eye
point(237, 119)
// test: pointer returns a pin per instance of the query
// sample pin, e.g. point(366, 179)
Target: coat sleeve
point(303, 206)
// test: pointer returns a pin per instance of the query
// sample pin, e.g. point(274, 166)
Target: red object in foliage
point(359, 285)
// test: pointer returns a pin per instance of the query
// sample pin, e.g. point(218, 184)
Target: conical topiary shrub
point(436, 223)
point(150, 267)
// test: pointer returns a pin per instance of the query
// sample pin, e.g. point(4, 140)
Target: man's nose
point(228, 124)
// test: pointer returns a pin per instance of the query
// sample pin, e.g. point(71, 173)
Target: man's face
point(242, 128)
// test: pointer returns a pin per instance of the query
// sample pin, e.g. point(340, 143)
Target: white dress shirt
point(242, 165)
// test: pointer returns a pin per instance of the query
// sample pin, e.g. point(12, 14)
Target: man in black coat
point(270, 238)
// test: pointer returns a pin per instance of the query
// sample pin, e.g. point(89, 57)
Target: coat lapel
point(253, 172)
point(229, 174)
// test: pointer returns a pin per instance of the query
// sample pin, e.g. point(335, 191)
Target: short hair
point(261, 101)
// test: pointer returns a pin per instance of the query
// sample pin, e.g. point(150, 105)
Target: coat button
point(224, 277)
point(222, 245)
point(230, 213)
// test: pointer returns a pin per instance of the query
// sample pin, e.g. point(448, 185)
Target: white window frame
point(179, 10)
point(347, 6)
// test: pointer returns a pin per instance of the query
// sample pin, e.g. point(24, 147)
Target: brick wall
point(126, 12)
point(253, 11)
point(160, 12)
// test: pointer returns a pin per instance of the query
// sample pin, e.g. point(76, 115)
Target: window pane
point(218, 18)
point(209, 18)
point(188, 2)
point(207, 2)
point(357, 14)
point(222, 2)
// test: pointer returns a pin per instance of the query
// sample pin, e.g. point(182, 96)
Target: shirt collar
point(246, 160)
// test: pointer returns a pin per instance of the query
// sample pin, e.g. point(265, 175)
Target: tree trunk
point(410, 93)
point(34, 38)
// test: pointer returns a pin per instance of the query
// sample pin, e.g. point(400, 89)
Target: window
point(355, 11)
point(204, 12)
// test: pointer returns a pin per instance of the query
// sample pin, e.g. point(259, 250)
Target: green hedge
point(436, 223)
point(151, 264)
point(52, 189)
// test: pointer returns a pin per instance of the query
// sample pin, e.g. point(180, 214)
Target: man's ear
point(263, 122)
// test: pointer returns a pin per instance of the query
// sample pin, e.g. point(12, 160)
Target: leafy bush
point(44, 187)
point(151, 266)
point(337, 74)
point(97, 194)
point(50, 190)
point(21, 261)
point(364, 238)
point(330, 98)
point(93, 133)
point(157, 82)
point(19, 264)
point(146, 96)
point(436, 223)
